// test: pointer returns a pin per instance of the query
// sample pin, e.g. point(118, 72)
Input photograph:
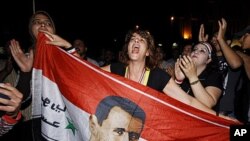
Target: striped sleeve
point(7, 123)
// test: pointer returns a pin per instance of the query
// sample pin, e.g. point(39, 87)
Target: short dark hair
point(106, 104)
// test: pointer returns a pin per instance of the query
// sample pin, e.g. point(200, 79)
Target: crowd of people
point(209, 75)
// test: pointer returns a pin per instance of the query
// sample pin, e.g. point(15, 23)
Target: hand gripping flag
point(66, 91)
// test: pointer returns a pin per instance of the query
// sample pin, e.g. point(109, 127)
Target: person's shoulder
point(158, 71)
point(118, 68)
point(118, 64)
point(158, 78)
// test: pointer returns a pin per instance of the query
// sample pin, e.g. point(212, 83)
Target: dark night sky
point(100, 22)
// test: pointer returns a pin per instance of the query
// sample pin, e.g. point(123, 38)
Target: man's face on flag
point(119, 126)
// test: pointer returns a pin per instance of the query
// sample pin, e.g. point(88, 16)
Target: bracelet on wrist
point(178, 81)
point(12, 120)
point(194, 82)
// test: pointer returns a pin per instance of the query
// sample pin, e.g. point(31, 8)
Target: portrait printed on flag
point(117, 118)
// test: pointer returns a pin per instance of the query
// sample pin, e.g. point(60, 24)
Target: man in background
point(81, 49)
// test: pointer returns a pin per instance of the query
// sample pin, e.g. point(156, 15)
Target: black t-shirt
point(223, 66)
point(207, 79)
point(157, 77)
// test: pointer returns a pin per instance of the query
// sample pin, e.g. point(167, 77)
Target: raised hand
point(188, 67)
point(202, 36)
point(222, 28)
point(25, 62)
point(179, 75)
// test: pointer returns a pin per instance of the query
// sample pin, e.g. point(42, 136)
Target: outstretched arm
point(174, 91)
point(58, 41)
point(230, 55)
point(25, 63)
point(246, 60)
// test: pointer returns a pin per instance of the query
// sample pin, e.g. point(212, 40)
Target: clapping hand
point(202, 36)
point(24, 61)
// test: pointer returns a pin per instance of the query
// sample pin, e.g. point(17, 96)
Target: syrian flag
point(67, 90)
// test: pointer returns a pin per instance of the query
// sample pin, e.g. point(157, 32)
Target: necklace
point(141, 77)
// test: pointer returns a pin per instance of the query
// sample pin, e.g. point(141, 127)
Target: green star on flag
point(71, 126)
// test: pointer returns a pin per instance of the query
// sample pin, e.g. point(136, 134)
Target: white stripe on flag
point(61, 120)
